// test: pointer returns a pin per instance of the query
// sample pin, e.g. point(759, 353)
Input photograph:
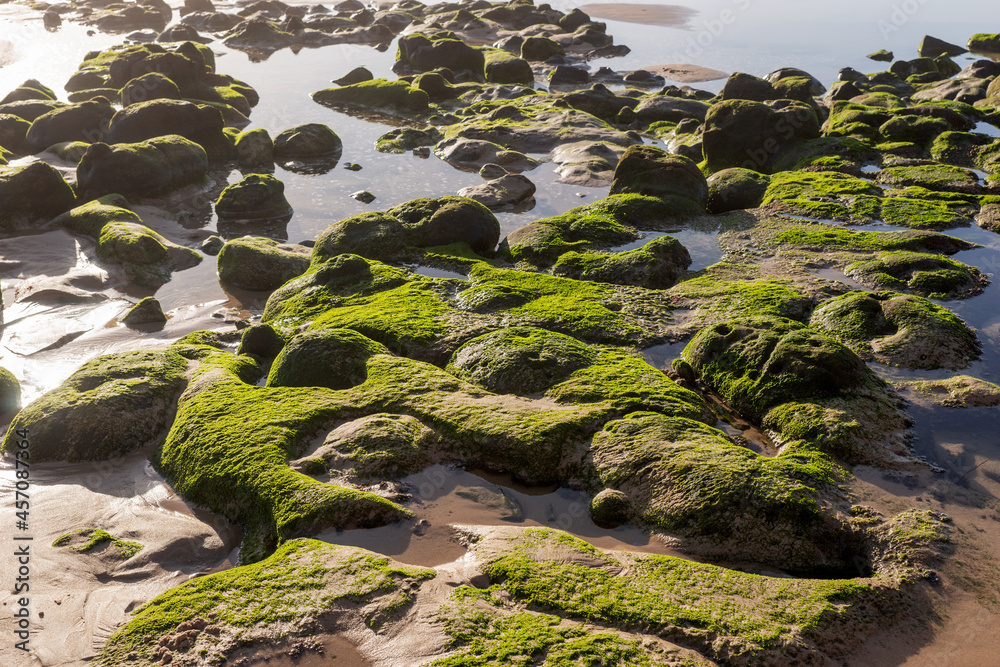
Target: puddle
point(444, 496)
point(660, 356)
point(432, 272)
point(988, 129)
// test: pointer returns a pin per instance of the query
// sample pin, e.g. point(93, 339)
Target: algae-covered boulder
point(261, 340)
point(151, 86)
point(86, 121)
point(741, 86)
point(801, 384)
point(145, 257)
point(258, 263)
point(901, 330)
point(255, 148)
point(144, 169)
point(375, 235)
point(423, 54)
point(405, 139)
point(520, 360)
point(656, 265)
point(610, 507)
point(375, 448)
point(741, 133)
point(377, 94)
point(502, 67)
point(449, 219)
point(255, 197)
point(13, 133)
point(734, 189)
point(928, 275)
point(334, 358)
point(90, 218)
point(651, 171)
point(32, 193)
point(10, 393)
point(502, 193)
point(147, 311)
point(109, 407)
point(32, 89)
point(200, 123)
point(311, 141)
point(959, 391)
point(539, 48)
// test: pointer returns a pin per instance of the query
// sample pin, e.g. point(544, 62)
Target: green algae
point(928, 275)
point(96, 537)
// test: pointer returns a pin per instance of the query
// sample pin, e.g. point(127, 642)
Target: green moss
point(928, 275)
point(656, 265)
point(502, 67)
point(934, 177)
point(716, 298)
point(110, 406)
point(726, 613)
point(97, 537)
point(144, 256)
point(792, 185)
point(302, 579)
point(377, 94)
point(90, 218)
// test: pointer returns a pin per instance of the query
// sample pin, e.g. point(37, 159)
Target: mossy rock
point(450, 219)
point(376, 448)
point(334, 358)
point(33, 193)
point(915, 129)
point(13, 133)
point(651, 171)
point(609, 222)
point(144, 256)
point(538, 48)
point(85, 540)
point(85, 121)
point(504, 68)
point(254, 198)
point(379, 95)
point(610, 507)
point(10, 393)
point(900, 330)
point(151, 86)
point(258, 263)
point(375, 235)
point(144, 169)
point(32, 89)
point(307, 142)
point(928, 275)
point(424, 53)
point(802, 385)
point(406, 139)
point(261, 340)
point(90, 218)
point(734, 189)
point(146, 311)
point(939, 177)
point(254, 147)
point(656, 265)
point(303, 579)
point(959, 391)
point(520, 360)
point(109, 407)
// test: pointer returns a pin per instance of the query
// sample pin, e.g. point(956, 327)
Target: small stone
point(212, 245)
point(882, 56)
point(147, 311)
point(352, 166)
point(363, 196)
point(422, 151)
point(490, 171)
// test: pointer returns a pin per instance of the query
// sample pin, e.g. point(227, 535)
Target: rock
point(799, 382)
point(641, 77)
point(142, 121)
point(363, 196)
point(142, 169)
point(254, 148)
point(261, 264)
point(610, 507)
point(259, 35)
point(540, 48)
point(356, 75)
point(740, 133)
point(491, 171)
point(564, 75)
point(376, 448)
point(968, 91)
point(669, 109)
point(152, 86)
point(332, 358)
point(86, 121)
point(505, 191)
point(449, 219)
point(13, 134)
point(904, 331)
point(31, 89)
point(477, 152)
point(984, 43)
point(651, 171)
point(931, 276)
point(29, 110)
point(261, 340)
point(960, 391)
point(10, 394)
point(312, 141)
point(520, 360)
point(212, 245)
point(182, 33)
point(376, 235)
point(377, 94)
point(147, 311)
point(656, 265)
point(599, 101)
point(932, 47)
point(589, 164)
point(742, 86)
point(256, 197)
point(89, 219)
point(882, 56)
point(734, 189)
point(32, 193)
point(423, 54)
point(110, 406)
point(406, 139)
point(146, 258)
point(503, 68)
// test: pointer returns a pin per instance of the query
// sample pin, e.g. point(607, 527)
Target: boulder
point(648, 170)
point(86, 121)
point(356, 75)
point(656, 265)
point(10, 394)
point(260, 264)
point(539, 48)
point(200, 123)
point(932, 47)
point(254, 198)
point(505, 191)
point(147, 311)
point(254, 148)
point(669, 109)
point(152, 86)
point(31, 89)
point(13, 134)
point(423, 54)
point(742, 86)
point(32, 193)
point(449, 219)
point(142, 169)
point(332, 358)
point(734, 189)
point(311, 141)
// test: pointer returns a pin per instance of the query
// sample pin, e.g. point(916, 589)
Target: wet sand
point(672, 16)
